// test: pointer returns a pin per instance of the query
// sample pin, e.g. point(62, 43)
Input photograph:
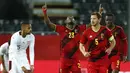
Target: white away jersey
point(18, 46)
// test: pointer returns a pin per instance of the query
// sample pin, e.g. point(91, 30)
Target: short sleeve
point(83, 39)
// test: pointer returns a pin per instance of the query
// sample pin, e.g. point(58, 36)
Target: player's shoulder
point(4, 45)
point(119, 27)
point(61, 27)
point(105, 27)
point(16, 34)
point(82, 26)
point(31, 35)
point(88, 29)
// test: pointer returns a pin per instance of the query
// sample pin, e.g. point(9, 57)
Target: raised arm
point(46, 18)
point(101, 9)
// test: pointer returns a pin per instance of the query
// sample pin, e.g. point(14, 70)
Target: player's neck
point(70, 28)
point(23, 34)
point(112, 26)
point(96, 28)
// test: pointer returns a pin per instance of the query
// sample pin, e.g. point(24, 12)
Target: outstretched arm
point(46, 18)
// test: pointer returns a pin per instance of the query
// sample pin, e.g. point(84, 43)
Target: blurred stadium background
point(12, 12)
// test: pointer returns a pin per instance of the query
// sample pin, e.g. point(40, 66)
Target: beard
point(70, 26)
point(28, 33)
point(93, 23)
point(109, 24)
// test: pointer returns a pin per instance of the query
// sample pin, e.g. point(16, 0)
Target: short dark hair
point(110, 14)
point(25, 22)
point(97, 14)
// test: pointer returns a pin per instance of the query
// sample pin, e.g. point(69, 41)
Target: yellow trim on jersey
point(111, 38)
point(79, 66)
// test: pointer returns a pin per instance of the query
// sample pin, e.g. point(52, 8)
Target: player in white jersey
point(17, 50)
point(4, 58)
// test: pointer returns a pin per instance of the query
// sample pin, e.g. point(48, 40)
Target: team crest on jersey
point(102, 35)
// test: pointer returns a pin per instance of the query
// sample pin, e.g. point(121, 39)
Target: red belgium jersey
point(70, 40)
point(96, 42)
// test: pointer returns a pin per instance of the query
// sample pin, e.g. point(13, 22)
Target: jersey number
point(118, 63)
point(79, 66)
point(96, 41)
point(71, 34)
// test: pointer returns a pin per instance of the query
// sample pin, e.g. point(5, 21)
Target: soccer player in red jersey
point(70, 37)
point(119, 52)
point(93, 45)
